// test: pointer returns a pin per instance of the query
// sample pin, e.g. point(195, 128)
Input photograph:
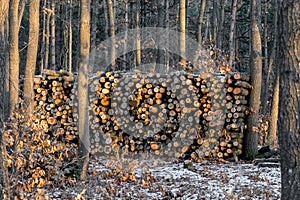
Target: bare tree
point(126, 34)
point(33, 38)
point(201, 19)
point(232, 33)
point(53, 38)
point(112, 33)
point(182, 39)
point(289, 110)
point(272, 138)
point(70, 35)
point(4, 181)
point(14, 25)
point(138, 35)
point(83, 119)
point(251, 140)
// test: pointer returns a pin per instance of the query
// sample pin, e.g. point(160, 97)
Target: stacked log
point(196, 115)
point(221, 107)
point(54, 96)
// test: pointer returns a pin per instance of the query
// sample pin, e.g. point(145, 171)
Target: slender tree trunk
point(126, 34)
point(272, 138)
point(43, 45)
point(232, 33)
point(53, 53)
point(94, 23)
point(105, 11)
point(70, 35)
point(13, 54)
point(112, 34)
point(83, 119)
point(207, 27)
point(289, 139)
point(33, 38)
point(167, 25)
point(115, 9)
point(138, 35)
point(251, 141)
point(47, 37)
point(182, 38)
point(221, 25)
point(4, 58)
point(160, 24)
point(4, 11)
point(215, 21)
point(21, 9)
point(201, 19)
point(271, 63)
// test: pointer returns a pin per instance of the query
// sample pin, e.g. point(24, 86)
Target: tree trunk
point(160, 24)
point(215, 21)
point(207, 25)
point(13, 54)
point(272, 138)
point(105, 12)
point(4, 181)
point(33, 38)
point(53, 48)
point(289, 139)
point(70, 36)
point(269, 68)
point(221, 25)
point(201, 19)
point(251, 140)
point(138, 35)
point(4, 59)
point(167, 25)
point(182, 41)
point(232, 33)
point(43, 45)
point(112, 34)
point(83, 119)
point(126, 34)
point(47, 36)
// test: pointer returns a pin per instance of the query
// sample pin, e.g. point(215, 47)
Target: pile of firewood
point(54, 99)
point(195, 116)
point(219, 112)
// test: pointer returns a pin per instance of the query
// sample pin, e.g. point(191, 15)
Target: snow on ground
point(147, 180)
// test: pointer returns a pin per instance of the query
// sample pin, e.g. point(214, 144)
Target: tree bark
point(221, 24)
point(53, 38)
point(33, 38)
point(4, 181)
point(272, 138)
point(232, 34)
point(251, 140)
point(182, 39)
point(126, 34)
point(201, 19)
point(138, 35)
point(112, 34)
point(43, 44)
point(70, 36)
point(13, 54)
point(289, 107)
point(47, 36)
point(83, 120)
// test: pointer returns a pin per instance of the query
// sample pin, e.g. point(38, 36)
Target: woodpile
point(196, 116)
point(54, 95)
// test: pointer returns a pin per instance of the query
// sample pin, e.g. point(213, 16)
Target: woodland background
point(260, 37)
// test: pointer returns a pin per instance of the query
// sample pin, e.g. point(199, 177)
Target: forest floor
point(178, 180)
